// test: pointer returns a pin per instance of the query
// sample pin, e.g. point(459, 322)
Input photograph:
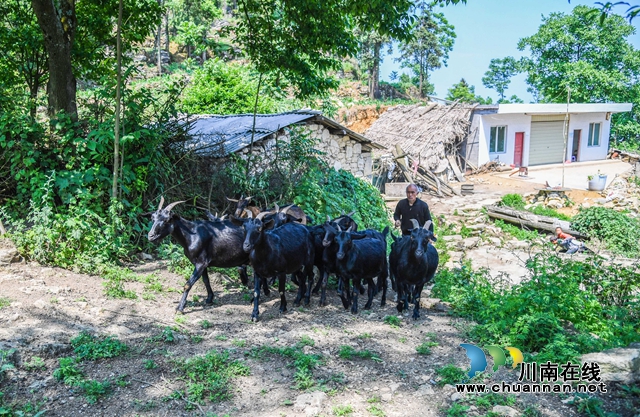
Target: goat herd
point(277, 242)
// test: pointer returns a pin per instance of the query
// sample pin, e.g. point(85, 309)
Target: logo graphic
point(479, 359)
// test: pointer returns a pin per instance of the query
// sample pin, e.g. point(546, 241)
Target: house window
point(497, 141)
point(594, 134)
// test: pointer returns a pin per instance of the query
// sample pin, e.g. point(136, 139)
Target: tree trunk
point(159, 48)
point(166, 31)
point(116, 136)
point(58, 40)
point(374, 84)
point(530, 220)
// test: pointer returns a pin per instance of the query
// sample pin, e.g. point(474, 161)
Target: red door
point(517, 151)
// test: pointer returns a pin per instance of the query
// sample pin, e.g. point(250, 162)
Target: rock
point(456, 396)
point(477, 227)
point(8, 252)
point(448, 387)
point(311, 400)
point(386, 397)
point(519, 244)
point(425, 389)
point(428, 303)
point(451, 238)
point(40, 304)
point(36, 385)
point(495, 241)
point(503, 410)
point(394, 387)
point(617, 365)
point(554, 203)
point(468, 243)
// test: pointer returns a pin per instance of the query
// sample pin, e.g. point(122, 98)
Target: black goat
point(412, 264)
point(205, 243)
point(361, 257)
point(284, 250)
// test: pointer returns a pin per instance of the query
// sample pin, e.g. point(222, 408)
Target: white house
point(535, 134)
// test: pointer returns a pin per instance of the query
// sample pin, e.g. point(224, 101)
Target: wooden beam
point(533, 221)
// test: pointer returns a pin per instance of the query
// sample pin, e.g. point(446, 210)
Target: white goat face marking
point(255, 294)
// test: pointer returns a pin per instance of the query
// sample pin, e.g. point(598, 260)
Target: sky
point(488, 29)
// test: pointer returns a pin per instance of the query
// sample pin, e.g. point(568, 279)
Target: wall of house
point(515, 123)
point(581, 122)
point(342, 152)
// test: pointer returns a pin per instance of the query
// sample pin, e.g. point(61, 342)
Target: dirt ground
point(47, 307)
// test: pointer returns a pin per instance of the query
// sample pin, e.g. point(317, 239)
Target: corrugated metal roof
point(222, 135)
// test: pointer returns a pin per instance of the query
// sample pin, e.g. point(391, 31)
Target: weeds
point(68, 372)
point(4, 302)
point(343, 410)
point(376, 411)
point(450, 374)
point(5, 364)
point(206, 324)
point(348, 352)
point(36, 363)
point(93, 390)
point(149, 364)
point(89, 347)
point(210, 376)
point(393, 321)
point(425, 348)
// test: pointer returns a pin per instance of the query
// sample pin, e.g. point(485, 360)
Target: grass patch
point(393, 321)
point(343, 410)
point(87, 346)
point(114, 280)
point(210, 376)
point(36, 363)
point(374, 410)
point(451, 374)
point(303, 363)
point(4, 302)
point(348, 352)
point(513, 200)
point(149, 364)
point(517, 232)
point(206, 324)
point(549, 212)
point(425, 348)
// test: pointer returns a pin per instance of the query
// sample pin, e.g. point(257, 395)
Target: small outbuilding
point(535, 134)
point(342, 148)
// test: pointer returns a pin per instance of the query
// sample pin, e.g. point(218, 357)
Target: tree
point(432, 39)
point(589, 55)
point(370, 56)
point(301, 41)
point(465, 93)
point(79, 42)
point(498, 77)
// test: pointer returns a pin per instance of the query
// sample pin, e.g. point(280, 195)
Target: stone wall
point(342, 152)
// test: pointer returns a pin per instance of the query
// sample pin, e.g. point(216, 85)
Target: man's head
point(412, 193)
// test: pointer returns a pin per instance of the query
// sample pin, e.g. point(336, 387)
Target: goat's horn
point(249, 213)
point(277, 208)
point(328, 218)
point(339, 228)
point(350, 228)
point(231, 199)
point(427, 224)
point(161, 203)
point(223, 217)
point(172, 205)
point(352, 213)
point(415, 223)
point(248, 198)
point(286, 209)
point(262, 214)
point(342, 213)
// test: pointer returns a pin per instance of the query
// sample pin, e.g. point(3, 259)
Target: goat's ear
point(268, 224)
point(433, 238)
point(394, 237)
point(237, 221)
point(357, 235)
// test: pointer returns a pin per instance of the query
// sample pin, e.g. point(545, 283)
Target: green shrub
point(549, 212)
point(222, 88)
point(87, 346)
point(68, 372)
point(451, 374)
point(618, 231)
point(516, 231)
point(513, 200)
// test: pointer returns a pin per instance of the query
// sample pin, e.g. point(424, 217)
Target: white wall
point(522, 123)
point(581, 122)
point(515, 123)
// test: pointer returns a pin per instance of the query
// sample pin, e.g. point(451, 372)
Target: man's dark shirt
point(405, 212)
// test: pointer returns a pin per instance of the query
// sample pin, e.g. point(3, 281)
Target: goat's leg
point(282, 280)
point(197, 272)
point(318, 286)
point(357, 287)
point(256, 297)
point(265, 286)
point(345, 294)
point(207, 284)
point(400, 291)
point(310, 275)
point(371, 290)
point(302, 287)
point(244, 278)
point(382, 279)
point(416, 301)
point(323, 280)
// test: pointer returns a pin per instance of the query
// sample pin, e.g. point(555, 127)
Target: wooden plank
point(456, 169)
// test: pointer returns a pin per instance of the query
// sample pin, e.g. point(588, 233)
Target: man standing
point(411, 208)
